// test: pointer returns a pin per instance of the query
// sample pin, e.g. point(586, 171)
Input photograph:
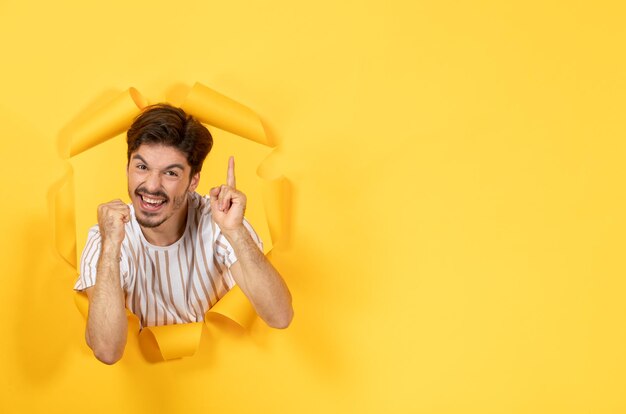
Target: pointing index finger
point(230, 175)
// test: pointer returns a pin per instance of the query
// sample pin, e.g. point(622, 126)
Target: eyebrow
point(169, 167)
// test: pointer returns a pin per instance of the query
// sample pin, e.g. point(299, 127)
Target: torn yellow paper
point(106, 122)
point(61, 205)
point(276, 196)
point(234, 306)
point(213, 108)
point(171, 341)
point(82, 303)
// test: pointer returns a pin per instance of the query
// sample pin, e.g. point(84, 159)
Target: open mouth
point(151, 203)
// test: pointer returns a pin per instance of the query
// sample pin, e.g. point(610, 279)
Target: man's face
point(158, 183)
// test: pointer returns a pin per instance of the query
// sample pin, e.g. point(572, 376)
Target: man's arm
point(106, 323)
point(259, 280)
point(256, 276)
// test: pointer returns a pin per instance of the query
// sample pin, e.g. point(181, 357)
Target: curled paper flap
point(216, 109)
point(110, 120)
point(173, 341)
point(160, 343)
point(234, 306)
point(61, 204)
point(170, 341)
point(82, 303)
point(276, 198)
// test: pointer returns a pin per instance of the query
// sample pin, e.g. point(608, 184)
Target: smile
point(151, 203)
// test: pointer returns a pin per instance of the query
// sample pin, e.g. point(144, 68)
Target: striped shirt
point(172, 284)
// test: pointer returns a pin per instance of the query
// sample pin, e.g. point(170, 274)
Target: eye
point(171, 173)
point(141, 167)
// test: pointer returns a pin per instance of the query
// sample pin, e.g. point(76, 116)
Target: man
point(172, 254)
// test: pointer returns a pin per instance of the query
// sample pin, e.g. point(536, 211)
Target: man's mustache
point(160, 194)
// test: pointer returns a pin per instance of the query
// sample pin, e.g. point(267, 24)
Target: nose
point(153, 182)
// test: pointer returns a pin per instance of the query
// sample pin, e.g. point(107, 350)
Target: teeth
point(152, 200)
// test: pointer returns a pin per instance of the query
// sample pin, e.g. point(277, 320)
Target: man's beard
point(149, 224)
point(146, 222)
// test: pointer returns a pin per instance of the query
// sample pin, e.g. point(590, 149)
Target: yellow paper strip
point(276, 198)
point(215, 109)
point(110, 120)
point(82, 303)
point(234, 306)
point(61, 205)
point(174, 341)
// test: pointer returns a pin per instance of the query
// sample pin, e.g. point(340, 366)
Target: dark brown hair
point(167, 125)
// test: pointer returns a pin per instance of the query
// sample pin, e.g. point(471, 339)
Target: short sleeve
point(89, 261)
point(225, 252)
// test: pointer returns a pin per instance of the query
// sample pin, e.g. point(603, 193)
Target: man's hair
point(165, 124)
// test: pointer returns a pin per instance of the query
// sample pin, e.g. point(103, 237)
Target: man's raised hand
point(227, 204)
point(112, 217)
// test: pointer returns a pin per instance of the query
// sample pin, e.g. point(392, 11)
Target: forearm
point(260, 281)
point(107, 324)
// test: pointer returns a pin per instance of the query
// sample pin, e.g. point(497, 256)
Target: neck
point(170, 231)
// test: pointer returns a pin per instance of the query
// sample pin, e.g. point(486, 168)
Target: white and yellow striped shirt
point(172, 284)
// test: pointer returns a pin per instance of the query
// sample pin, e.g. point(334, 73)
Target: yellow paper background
point(457, 217)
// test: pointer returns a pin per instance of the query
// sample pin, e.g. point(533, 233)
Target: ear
point(195, 179)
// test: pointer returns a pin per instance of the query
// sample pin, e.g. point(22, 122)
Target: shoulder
point(200, 204)
point(94, 233)
point(91, 250)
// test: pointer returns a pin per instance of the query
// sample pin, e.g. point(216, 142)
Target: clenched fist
point(112, 217)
